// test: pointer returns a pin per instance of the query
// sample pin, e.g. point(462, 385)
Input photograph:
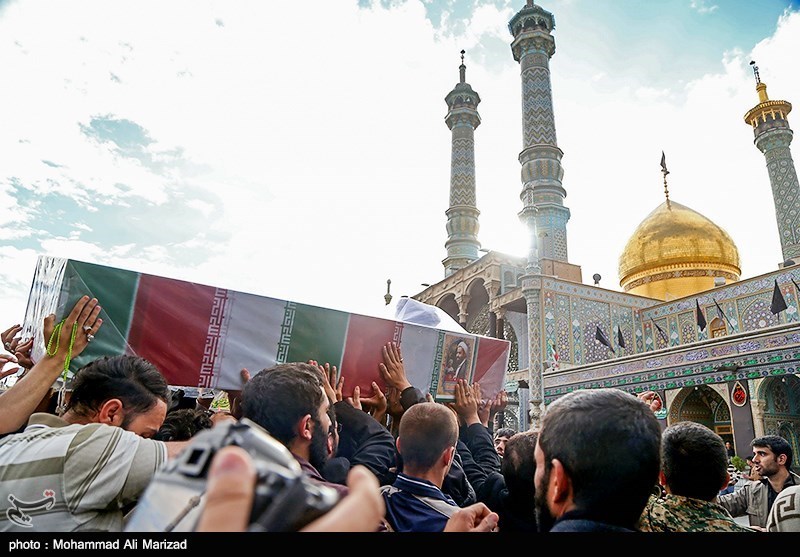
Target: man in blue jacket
point(427, 443)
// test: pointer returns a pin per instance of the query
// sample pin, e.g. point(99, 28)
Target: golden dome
point(676, 252)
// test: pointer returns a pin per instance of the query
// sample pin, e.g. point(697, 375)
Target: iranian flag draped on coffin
point(202, 336)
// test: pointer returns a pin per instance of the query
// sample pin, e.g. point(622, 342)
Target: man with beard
point(772, 457)
point(461, 365)
point(597, 460)
point(290, 402)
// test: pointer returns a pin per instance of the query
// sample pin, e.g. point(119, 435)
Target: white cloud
point(702, 7)
point(326, 150)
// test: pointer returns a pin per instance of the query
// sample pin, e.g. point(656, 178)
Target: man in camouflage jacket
point(694, 468)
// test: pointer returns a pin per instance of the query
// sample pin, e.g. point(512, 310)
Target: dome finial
point(755, 71)
point(664, 171)
point(462, 69)
point(761, 87)
point(388, 297)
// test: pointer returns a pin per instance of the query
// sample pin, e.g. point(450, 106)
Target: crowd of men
point(393, 461)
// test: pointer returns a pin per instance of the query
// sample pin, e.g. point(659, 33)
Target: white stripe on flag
point(418, 346)
point(253, 330)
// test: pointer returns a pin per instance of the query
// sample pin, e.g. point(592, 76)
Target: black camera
point(285, 500)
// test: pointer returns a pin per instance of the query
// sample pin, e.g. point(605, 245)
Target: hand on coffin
point(392, 370)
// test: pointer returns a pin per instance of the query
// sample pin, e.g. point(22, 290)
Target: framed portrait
point(458, 362)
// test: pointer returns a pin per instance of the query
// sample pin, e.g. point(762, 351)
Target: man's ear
point(111, 412)
point(305, 427)
point(662, 479)
point(781, 459)
point(448, 455)
point(560, 489)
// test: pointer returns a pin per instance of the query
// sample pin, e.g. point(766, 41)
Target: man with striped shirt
point(81, 471)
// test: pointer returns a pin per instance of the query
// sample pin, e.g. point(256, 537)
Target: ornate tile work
point(638, 331)
point(687, 328)
point(594, 314)
point(722, 413)
point(577, 338)
point(549, 322)
point(734, 360)
point(785, 188)
point(755, 312)
point(563, 336)
point(537, 106)
point(462, 169)
point(687, 324)
point(674, 335)
point(624, 320)
point(658, 338)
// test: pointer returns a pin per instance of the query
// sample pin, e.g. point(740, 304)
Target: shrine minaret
point(773, 137)
point(542, 194)
point(462, 215)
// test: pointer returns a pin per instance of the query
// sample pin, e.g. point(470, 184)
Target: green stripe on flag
point(312, 333)
point(437, 363)
point(115, 289)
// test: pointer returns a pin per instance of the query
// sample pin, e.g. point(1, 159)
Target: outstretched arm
point(21, 399)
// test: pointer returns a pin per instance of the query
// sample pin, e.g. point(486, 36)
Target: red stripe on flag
point(366, 336)
point(170, 326)
point(491, 365)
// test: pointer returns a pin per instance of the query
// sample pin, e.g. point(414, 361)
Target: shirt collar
point(43, 419)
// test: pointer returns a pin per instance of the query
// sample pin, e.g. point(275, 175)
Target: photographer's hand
point(361, 510)
point(474, 518)
point(231, 486)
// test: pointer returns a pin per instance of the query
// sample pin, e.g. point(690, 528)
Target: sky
point(298, 150)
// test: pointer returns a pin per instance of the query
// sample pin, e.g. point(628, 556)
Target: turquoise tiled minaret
point(462, 215)
point(773, 137)
point(543, 210)
point(542, 193)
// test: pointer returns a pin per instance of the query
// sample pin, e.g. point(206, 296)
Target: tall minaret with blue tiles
point(773, 137)
point(542, 191)
point(462, 215)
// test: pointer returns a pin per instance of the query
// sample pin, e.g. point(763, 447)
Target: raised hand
point(355, 400)
point(498, 403)
point(392, 370)
point(4, 359)
point(7, 337)
point(393, 406)
point(466, 404)
point(328, 374)
point(23, 353)
point(650, 398)
point(78, 329)
point(377, 403)
point(483, 405)
point(65, 341)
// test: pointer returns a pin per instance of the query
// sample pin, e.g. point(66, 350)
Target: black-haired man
point(597, 460)
point(772, 457)
point(81, 471)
